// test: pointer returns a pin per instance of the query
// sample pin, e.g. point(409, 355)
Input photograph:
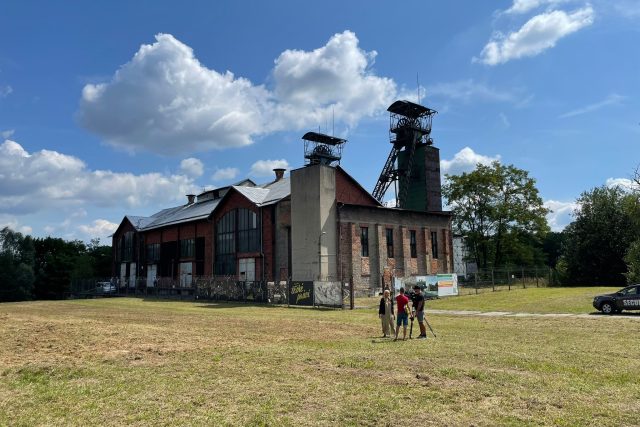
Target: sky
point(113, 108)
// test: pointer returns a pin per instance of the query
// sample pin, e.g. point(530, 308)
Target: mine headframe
point(410, 126)
point(322, 149)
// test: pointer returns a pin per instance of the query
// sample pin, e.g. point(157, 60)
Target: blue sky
point(119, 107)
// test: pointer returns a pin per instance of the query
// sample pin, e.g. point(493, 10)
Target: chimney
point(191, 199)
point(279, 173)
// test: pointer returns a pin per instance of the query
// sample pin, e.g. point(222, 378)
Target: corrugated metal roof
point(194, 211)
point(254, 194)
point(261, 195)
point(139, 222)
point(277, 191)
point(267, 194)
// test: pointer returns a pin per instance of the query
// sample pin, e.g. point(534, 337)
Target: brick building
point(317, 224)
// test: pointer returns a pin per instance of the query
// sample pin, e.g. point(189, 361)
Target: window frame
point(389, 240)
point(364, 242)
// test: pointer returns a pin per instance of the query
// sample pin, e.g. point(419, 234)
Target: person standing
point(417, 301)
point(385, 313)
point(403, 316)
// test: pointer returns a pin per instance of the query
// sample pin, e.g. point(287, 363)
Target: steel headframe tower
point(322, 149)
point(410, 127)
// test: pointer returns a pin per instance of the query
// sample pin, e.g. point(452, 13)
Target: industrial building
point(317, 224)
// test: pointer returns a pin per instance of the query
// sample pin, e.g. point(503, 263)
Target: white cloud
point(265, 167)
point(613, 99)
point(100, 228)
point(14, 224)
point(524, 6)
point(5, 134)
point(225, 174)
point(560, 213)
point(537, 35)
point(192, 167)
point(335, 79)
point(5, 91)
point(623, 183)
point(465, 160)
point(164, 100)
point(469, 90)
point(48, 180)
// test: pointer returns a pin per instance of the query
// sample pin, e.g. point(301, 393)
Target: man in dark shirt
point(402, 318)
point(417, 300)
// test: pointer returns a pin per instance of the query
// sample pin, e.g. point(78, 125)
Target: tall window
point(389, 242)
point(248, 232)
point(153, 252)
point(187, 248)
point(226, 244)
point(434, 244)
point(412, 244)
point(127, 246)
point(364, 241)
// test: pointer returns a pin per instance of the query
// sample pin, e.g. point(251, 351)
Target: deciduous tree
point(499, 209)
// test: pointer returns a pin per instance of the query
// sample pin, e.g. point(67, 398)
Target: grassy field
point(531, 300)
point(130, 361)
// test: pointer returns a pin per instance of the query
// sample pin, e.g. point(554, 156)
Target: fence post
point(509, 278)
point(524, 286)
point(493, 281)
point(475, 279)
point(537, 278)
point(351, 294)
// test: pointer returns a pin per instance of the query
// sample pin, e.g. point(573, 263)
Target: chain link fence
point(506, 279)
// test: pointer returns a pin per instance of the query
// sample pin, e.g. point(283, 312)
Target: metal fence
point(506, 279)
point(311, 293)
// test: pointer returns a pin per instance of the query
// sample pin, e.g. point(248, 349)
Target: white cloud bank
point(100, 228)
point(465, 160)
point(524, 6)
point(560, 213)
point(192, 167)
point(225, 174)
point(48, 180)
point(165, 101)
point(537, 35)
point(263, 168)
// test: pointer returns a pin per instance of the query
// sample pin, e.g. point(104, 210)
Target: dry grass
point(129, 361)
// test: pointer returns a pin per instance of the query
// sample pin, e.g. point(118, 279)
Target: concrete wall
point(313, 223)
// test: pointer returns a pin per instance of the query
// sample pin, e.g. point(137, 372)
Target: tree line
point(43, 268)
point(498, 209)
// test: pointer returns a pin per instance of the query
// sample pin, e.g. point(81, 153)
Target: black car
point(625, 299)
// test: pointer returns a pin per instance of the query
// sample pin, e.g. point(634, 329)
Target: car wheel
point(607, 308)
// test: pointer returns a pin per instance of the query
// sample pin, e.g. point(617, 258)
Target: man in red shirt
point(403, 317)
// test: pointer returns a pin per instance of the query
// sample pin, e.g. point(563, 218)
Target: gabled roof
point(262, 195)
point(139, 222)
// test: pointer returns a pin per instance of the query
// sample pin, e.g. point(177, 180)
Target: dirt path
point(595, 315)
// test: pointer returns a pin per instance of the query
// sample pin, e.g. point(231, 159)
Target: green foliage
point(499, 210)
point(599, 237)
point(44, 268)
point(632, 258)
point(16, 266)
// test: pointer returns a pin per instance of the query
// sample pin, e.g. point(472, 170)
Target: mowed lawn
point(144, 362)
point(575, 300)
